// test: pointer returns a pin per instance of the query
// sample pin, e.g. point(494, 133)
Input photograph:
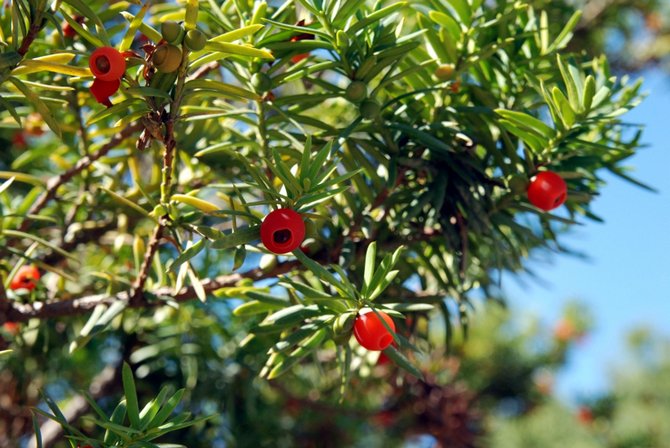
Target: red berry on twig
point(102, 90)
point(371, 333)
point(547, 191)
point(26, 278)
point(107, 64)
point(282, 231)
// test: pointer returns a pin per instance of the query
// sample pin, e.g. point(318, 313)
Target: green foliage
point(340, 110)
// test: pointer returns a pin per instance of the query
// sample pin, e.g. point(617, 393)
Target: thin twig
point(21, 312)
point(55, 182)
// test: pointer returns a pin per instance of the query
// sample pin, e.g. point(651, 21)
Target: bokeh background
point(624, 278)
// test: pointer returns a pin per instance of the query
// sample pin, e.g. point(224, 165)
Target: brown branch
point(21, 312)
point(55, 182)
point(141, 279)
point(204, 70)
point(30, 36)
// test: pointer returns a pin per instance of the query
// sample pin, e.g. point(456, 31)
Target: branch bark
point(55, 182)
point(21, 312)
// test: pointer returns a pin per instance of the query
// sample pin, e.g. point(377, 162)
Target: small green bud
point(343, 326)
point(195, 40)
point(159, 211)
point(167, 58)
point(356, 92)
point(172, 32)
point(369, 109)
point(517, 184)
point(261, 82)
point(342, 40)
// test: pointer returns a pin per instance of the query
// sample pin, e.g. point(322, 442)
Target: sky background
point(626, 280)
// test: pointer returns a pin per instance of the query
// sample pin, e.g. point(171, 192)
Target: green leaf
point(166, 410)
point(254, 307)
point(200, 204)
point(370, 258)
point(566, 33)
point(38, 433)
point(401, 361)
point(241, 236)
point(320, 272)
point(567, 113)
point(290, 315)
point(527, 122)
point(151, 409)
point(224, 89)
point(237, 34)
point(130, 204)
point(118, 416)
point(374, 17)
point(41, 241)
point(131, 396)
point(128, 38)
point(570, 83)
point(34, 66)
point(304, 348)
point(462, 8)
point(589, 92)
point(40, 106)
point(238, 50)
point(191, 251)
point(83, 32)
point(147, 92)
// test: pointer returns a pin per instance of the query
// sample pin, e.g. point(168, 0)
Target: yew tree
point(199, 193)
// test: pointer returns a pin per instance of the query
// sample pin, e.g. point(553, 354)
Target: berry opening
point(282, 236)
point(102, 63)
point(385, 340)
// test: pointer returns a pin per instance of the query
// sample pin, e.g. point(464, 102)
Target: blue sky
point(626, 281)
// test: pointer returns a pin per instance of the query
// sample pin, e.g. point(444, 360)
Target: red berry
point(11, 328)
point(585, 416)
point(304, 36)
point(107, 64)
point(19, 140)
point(371, 333)
point(102, 90)
point(383, 360)
point(26, 278)
point(282, 231)
point(547, 191)
point(68, 31)
point(299, 57)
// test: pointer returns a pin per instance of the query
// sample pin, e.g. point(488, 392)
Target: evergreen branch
point(22, 312)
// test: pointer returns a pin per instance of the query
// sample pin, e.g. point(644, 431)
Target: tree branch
point(55, 182)
point(21, 312)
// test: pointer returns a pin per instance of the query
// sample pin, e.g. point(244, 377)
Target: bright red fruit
point(304, 36)
point(585, 416)
point(102, 90)
point(26, 278)
point(371, 333)
point(282, 231)
point(11, 328)
point(107, 64)
point(547, 191)
point(299, 57)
